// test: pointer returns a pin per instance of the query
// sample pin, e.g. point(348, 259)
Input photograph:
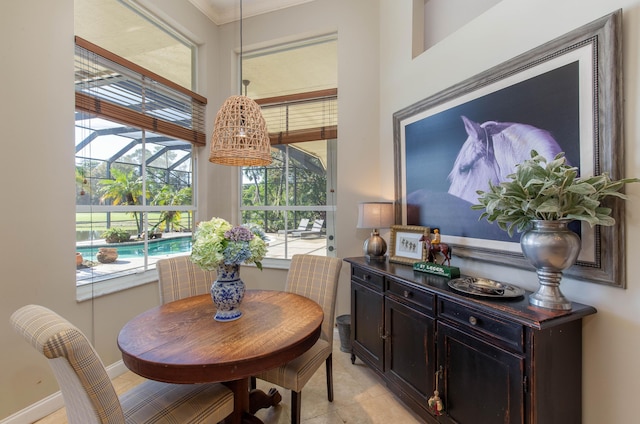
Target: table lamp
point(375, 215)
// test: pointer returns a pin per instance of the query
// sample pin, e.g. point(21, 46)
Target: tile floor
point(360, 397)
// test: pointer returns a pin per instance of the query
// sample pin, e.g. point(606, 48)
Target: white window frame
point(329, 208)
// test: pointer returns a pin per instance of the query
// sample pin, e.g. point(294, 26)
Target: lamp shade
point(240, 136)
point(375, 215)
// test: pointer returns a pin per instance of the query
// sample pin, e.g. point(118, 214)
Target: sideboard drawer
point(509, 334)
point(418, 297)
point(370, 279)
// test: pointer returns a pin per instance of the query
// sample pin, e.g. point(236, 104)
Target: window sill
point(102, 288)
point(273, 263)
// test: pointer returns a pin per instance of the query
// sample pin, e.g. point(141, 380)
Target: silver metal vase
point(551, 247)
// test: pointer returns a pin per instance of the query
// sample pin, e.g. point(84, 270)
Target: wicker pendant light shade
point(240, 136)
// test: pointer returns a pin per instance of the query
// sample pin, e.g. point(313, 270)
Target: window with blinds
point(301, 117)
point(135, 136)
point(293, 198)
point(110, 86)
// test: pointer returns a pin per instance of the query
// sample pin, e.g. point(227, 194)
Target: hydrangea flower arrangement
point(216, 243)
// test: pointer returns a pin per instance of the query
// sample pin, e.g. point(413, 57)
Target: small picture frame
point(405, 245)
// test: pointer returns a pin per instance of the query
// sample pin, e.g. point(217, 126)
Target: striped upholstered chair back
point(315, 277)
point(85, 385)
point(88, 393)
point(178, 278)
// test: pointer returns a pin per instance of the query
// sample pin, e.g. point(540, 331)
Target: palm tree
point(168, 196)
point(123, 189)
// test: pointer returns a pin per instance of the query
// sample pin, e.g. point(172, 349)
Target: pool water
point(129, 250)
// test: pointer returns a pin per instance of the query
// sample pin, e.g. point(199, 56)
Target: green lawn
point(97, 222)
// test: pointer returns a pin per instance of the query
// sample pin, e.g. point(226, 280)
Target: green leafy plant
point(124, 188)
point(168, 196)
point(541, 190)
point(116, 235)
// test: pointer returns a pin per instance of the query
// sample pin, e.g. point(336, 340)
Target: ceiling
point(225, 11)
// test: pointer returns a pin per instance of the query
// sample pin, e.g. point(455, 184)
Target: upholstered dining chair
point(178, 278)
point(88, 393)
point(315, 277)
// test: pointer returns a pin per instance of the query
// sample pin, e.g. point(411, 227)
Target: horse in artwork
point(491, 152)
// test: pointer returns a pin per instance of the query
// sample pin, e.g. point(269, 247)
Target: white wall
point(36, 100)
point(457, 12)
point(612, 336)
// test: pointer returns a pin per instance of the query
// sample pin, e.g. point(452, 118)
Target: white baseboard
point(36, 411)
point(53, 402)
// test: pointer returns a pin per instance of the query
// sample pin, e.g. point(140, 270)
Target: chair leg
point(252, 383)
point(329, 365)
point(296, 406)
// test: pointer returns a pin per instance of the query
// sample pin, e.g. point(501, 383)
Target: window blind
point(301, 117)
point(110, 86)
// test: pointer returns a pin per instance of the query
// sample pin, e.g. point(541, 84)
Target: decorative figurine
point(434, 247)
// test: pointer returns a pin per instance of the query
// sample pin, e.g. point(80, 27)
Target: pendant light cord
point(240, 85)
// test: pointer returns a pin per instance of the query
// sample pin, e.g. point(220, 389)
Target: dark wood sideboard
point(496, 361)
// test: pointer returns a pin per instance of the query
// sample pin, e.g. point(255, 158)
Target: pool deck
point(280, 246)
point(295, 245)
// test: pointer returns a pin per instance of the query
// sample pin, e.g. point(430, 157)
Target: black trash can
point(344, 331)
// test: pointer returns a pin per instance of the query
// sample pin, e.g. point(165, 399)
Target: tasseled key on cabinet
point(435, 403)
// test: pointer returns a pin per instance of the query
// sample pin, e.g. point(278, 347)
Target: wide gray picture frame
point(603, 246)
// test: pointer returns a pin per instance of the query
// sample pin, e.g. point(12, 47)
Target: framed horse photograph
point(564, 96)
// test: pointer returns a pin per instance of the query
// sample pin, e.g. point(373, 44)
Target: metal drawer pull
point(473, 320)
point(366, 277)
point(407, 294)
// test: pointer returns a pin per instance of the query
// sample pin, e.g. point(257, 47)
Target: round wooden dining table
point(180, 342)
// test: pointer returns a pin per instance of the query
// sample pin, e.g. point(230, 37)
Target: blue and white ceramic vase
point(227, 293)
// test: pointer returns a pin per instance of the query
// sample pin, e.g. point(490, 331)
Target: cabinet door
point(367, 309)
point(482, 383)
point(410, 351)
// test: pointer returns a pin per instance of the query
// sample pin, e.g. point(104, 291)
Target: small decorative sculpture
point(435, 246)
point(431, 249)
